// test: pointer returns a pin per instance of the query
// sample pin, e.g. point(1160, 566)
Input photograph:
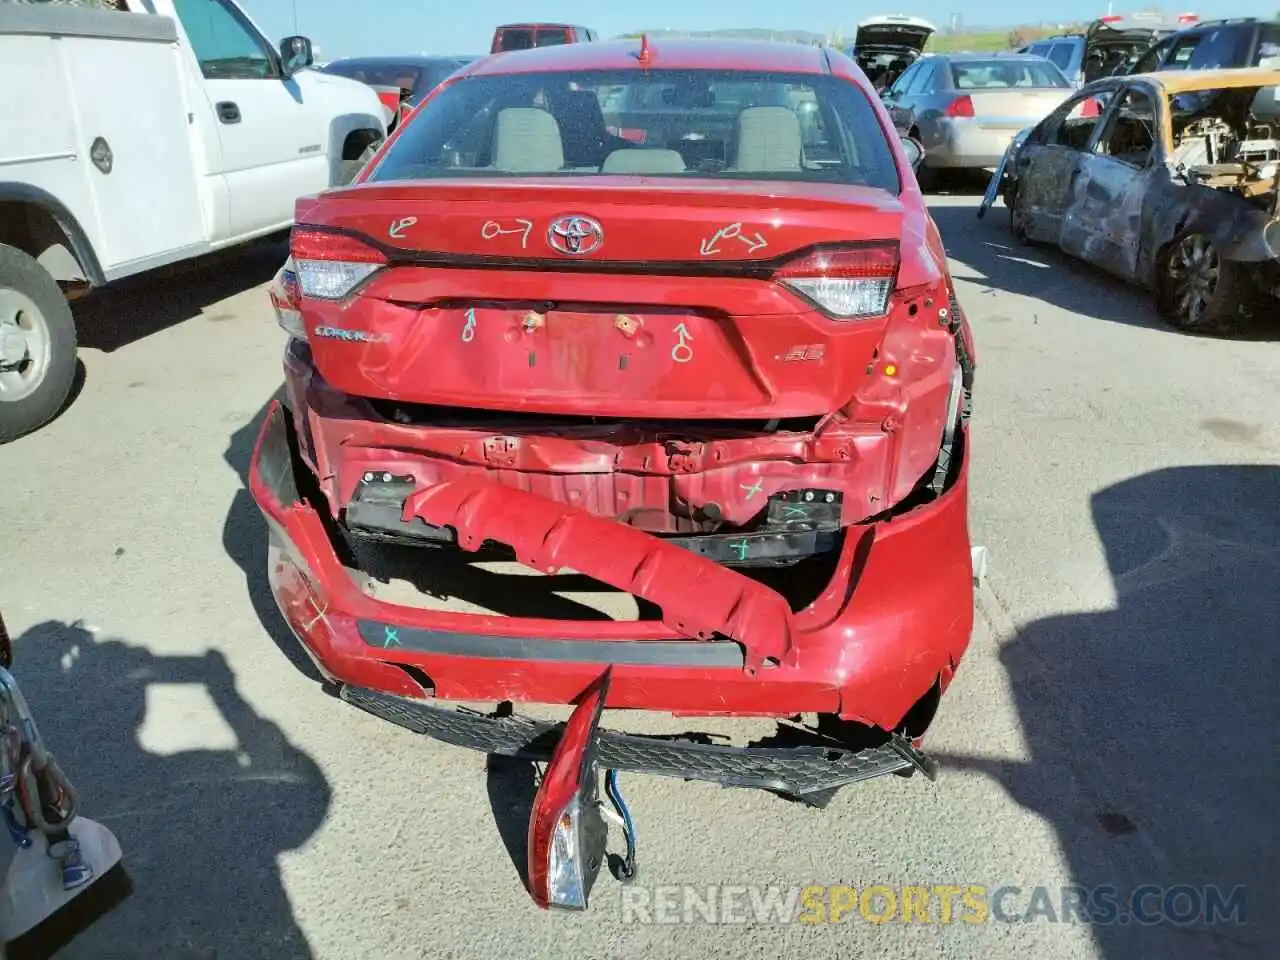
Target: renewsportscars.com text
point(939, 904)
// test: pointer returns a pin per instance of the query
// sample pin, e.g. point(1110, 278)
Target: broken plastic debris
point(978, 558)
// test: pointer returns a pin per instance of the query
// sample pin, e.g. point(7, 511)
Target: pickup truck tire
point(35, 317)
point(347, 172)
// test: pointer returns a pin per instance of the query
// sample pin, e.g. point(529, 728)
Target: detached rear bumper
point(890, 627)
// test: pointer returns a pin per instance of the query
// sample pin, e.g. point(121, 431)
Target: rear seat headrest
point(639, 160)
point(527, 140)
point(769, 140)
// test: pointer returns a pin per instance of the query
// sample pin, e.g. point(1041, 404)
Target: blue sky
point(352, 27)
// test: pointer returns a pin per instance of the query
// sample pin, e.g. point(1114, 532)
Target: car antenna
point(645, 56)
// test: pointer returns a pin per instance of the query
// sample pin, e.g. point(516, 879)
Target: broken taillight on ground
point(567, 832)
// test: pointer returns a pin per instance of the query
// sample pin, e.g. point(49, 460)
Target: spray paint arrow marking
point(682, 352)
point(731, 232)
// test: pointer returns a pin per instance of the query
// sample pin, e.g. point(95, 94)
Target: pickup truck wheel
point(347, 172)
point(37, 345)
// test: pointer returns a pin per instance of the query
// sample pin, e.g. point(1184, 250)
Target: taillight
point(1188, 18)
point(567, 833)
point(1111, 18)
point(1089, 108)
point(847, 283)
point(331, 265)
point(961, 106)
point(286, 298)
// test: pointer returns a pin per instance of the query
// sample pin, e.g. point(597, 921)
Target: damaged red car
point(718, 370)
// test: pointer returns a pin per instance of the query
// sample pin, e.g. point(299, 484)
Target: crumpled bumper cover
point(889, 627)
point(800, 772)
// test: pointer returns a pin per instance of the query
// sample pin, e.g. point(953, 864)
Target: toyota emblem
point(575, 235)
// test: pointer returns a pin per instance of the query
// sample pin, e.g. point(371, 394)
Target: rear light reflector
point(331, 265)
point(846, 283)
point(567, 832)
point(961, 106)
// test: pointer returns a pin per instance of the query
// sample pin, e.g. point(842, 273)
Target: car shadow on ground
point(201, 829)
point(136, 307)
point(1151, 726)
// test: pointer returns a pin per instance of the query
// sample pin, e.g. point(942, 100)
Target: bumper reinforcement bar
point(799, 772)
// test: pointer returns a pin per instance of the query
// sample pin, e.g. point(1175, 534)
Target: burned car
point(674, 424)
point(1167, 180)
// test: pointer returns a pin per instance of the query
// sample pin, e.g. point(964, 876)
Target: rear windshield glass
point(663, 123)
point(516, 40)
point(1005, 73)
point(552, 36)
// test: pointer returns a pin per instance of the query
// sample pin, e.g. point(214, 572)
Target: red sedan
point(670, 316)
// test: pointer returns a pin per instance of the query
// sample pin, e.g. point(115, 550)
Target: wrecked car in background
point(674, 424)
point(1167, 180)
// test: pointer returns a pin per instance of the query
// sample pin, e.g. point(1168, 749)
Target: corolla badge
point(351, 336)
point(575, 235)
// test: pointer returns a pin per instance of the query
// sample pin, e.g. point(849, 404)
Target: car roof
point(666, 54)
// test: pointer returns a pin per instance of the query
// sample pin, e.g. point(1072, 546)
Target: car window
point(1130, 132)
point(516, 40)
point(1225, 47)
point(552, 36)
point(830, 135)
point(1150, 61)
point(1180, 56)
point(922, 82)
point(904, 80)
point(225, 44)
point(1072, 124)
point(727, 95)
point(1005, 72)
point(1039, 49)
point(1268, 52)
point(1060, 55)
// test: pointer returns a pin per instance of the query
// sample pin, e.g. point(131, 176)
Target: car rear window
point(1002, 72)
point(659, 123)
point(515, 40)
point(552, 36)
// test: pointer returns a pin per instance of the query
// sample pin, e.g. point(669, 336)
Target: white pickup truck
point(138, 136)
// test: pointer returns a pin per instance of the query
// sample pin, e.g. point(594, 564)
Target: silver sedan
point(965, 108)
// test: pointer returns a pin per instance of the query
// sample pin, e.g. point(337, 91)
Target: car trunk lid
point(671, 304)
point(1014, 108)
point(894, 32)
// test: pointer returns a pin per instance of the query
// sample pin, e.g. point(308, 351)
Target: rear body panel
point(511, 324)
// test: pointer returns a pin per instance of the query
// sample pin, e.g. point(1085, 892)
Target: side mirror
point(913, 149)
point(295, 54)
